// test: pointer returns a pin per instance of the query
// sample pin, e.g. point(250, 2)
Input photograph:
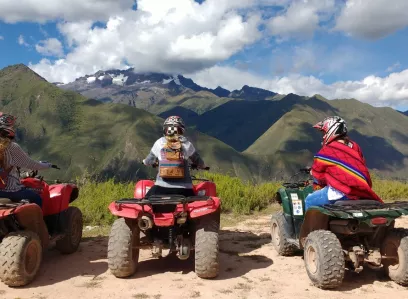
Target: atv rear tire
point(73, 234)
point(20, 258)
point(324, 259)
point(396, 244)
point(123, 257)
point(280, 235)
point(206, 246)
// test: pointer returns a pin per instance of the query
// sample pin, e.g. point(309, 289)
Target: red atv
point(26, 229)
point(172, 222)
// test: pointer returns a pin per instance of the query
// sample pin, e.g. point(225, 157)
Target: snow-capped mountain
point(143, 90)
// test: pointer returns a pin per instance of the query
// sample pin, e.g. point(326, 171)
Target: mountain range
point(106, 123)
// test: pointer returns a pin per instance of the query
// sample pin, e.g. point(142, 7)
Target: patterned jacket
point(343, 167)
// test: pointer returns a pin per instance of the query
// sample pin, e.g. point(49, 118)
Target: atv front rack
point(163, 200)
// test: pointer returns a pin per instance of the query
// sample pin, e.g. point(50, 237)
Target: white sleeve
point(189, 149)
point(157, 147)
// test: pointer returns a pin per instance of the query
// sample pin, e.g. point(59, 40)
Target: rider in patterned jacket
point(339, 167)
point(172, 151)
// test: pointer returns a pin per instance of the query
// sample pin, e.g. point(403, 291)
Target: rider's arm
point(153, 154)
point(150, 159)
point(196, 159)
point(22, 160)
point(193, 155)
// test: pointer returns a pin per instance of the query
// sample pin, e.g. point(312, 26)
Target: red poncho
point(343, 168)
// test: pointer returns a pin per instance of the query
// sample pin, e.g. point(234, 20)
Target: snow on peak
point(119, 80)
point(172, 78)
point(90, 80)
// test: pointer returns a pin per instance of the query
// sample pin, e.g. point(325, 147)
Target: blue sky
point(301, 46)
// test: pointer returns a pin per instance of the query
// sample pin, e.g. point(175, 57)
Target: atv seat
point(357, 202)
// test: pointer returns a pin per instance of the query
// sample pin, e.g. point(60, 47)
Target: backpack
point(172, 161)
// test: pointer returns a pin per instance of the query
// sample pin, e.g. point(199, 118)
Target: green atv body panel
point(321, 217)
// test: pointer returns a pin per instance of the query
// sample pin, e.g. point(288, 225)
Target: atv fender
point(30, 217)
point(200, 208)
point(126, 211)
point(315, 219)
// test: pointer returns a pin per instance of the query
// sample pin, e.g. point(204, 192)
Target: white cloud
point(169, 36)
point(301, 18)
point(1, 37)
point(394, 67)
point(42, 10)
point(379, 91)
point(373, 19)
point(21, 41)
point(50, 47)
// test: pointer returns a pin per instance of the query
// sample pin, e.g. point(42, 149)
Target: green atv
point(346, 234)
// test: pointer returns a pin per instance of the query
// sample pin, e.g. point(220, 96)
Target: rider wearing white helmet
point(339, 167)
point(172, 151)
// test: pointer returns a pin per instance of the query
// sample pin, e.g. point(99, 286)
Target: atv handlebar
point(305, 169)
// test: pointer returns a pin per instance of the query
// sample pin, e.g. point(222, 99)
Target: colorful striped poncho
point(343, 167)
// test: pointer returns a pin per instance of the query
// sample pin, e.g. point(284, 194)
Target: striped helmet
point(7, 122)
point(332, 127)
point(173, 125)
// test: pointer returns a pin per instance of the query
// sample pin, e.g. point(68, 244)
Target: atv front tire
point(280, 235)
point(324, 259)
point(123, 254)
point(396, 244)
point(73, 234)
point(20, 258)
point(207, 246)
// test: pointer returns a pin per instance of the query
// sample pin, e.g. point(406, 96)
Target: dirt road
point(250, 268)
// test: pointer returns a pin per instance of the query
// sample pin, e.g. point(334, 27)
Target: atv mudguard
point(29, 217)
point(293, 202)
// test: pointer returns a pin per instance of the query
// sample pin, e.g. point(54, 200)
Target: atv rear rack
point(163, 200)
point(400, 207)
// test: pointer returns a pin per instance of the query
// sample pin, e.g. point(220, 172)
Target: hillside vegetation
point(237, 196)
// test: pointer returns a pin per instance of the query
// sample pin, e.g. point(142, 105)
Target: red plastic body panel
point(209, 187)
point(55, 197)
point(141, 188)
point(60, 195)
point(194, 210)
point(38, 186)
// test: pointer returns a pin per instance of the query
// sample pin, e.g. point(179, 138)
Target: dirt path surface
point(250, 268)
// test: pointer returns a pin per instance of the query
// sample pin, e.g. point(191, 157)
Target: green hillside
point(198, 102)
point(381, 132)
point(86, 135)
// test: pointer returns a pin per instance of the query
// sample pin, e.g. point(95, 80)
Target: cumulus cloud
point(166, 36)
point(380, 91)
point(74, 10)
point(50, 47)
point(373, 19)
point(301, 18)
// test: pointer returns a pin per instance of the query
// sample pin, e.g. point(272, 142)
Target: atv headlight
point(201, 193)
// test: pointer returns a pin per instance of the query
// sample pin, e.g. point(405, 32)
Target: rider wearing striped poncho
point(339, 166)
